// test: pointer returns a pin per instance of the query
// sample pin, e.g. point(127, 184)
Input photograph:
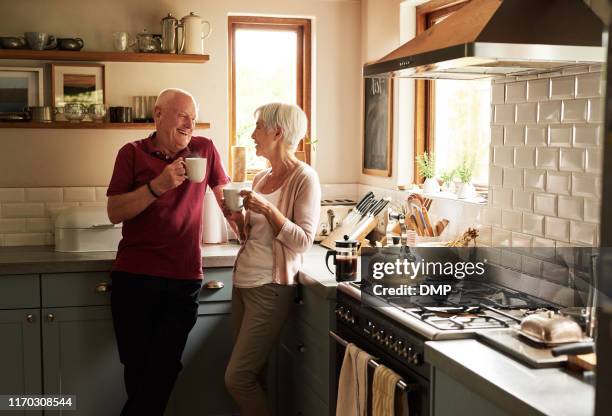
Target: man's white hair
point(288, 117)
point(168, 95)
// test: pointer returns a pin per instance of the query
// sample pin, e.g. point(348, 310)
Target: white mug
point(196, 168)
point(231, 194)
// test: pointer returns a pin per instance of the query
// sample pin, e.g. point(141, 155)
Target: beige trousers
point(258, 315)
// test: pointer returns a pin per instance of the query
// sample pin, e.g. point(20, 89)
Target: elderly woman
point(282, 211)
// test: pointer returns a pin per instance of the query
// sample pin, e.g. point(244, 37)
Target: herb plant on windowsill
point(427, 168)
point(447, 180)
point(465, 173)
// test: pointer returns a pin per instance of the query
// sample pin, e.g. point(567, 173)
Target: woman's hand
point(255, 202)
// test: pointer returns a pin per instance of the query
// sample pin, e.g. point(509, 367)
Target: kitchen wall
point(44, 168)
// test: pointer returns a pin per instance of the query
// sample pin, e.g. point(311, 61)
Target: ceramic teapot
point(194, 34)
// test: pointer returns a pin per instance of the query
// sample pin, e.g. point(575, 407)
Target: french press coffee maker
point(345, 259)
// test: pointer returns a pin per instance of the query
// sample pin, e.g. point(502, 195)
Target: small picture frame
point(377, 126)
point(80, 83)
point(20, 88)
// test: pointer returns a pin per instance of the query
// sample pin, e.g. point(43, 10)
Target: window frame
point(427, 15)
point(302, 28)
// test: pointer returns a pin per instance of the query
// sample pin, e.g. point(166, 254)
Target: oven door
point(414, 386)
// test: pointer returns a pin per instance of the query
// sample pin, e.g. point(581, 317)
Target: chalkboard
point(377, 128)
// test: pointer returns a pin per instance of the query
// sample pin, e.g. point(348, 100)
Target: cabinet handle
point(50, 317)
point(301, 348)
point(214, 284)
point(30, 318)
point(103, 287)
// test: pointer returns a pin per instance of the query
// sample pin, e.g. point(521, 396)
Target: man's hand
point(171, 177)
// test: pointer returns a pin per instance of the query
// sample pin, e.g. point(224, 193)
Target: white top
point(254, 265)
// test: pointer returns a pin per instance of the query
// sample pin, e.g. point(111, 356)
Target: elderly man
point(157, 274)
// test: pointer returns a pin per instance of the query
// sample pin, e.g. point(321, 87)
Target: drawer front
point(211, 293)
point(75, 289)
point(19, 291)
point(309, 349)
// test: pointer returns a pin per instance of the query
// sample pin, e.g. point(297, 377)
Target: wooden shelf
point(85, 125)
point(58, 55)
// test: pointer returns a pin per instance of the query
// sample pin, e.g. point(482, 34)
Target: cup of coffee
point(231, 194)
point(196, 168)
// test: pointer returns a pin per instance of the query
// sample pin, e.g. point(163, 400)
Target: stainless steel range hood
point(496, 38)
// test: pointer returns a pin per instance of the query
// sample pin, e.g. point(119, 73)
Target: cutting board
point(582, 361)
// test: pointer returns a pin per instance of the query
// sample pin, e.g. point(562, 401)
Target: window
point(269, 60)
point(452, 117)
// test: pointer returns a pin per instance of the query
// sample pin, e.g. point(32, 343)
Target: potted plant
point(465, 172)
point(426, 166)
point(447, 180)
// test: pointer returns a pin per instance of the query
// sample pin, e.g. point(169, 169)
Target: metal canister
point(170, 26)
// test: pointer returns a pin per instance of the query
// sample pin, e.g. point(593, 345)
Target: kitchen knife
point(358, 210)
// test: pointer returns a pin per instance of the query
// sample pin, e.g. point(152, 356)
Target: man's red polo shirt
point(164, 239)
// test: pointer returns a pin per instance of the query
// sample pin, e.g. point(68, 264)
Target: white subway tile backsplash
point(514, 135)
point(595, 110)
point(497, 93)
point(524, 157)
point(27, 239)
point(23, 210)
point(533, 224)
point(527, 113)
point(558, 182)
point(549, 112)
point(512, 220)
point(562, 87)
point(38, 225)
point(589, 85)
point(522, 200)
point(535, 179)
point(513, 178)
point(522, 241)
point(583, 233)
point(594, 160)
point(511, 260)
point(592, 210)
point(555, 273)
point(516, 92)
point(12, 225)
point(584, 185)
point(532, 266)
point(543, 248)
point(538, 90)
point(570, 208)
point(44, 194)
point(497, 135)
point(484, 235)
point(492, 215)
point(556, 228)
point(587, 135)
point(547, 157)
point(500, 237)
point(503, 156)
point(572, 160)
point(574, 111)
point(501, 197)
point(560, 136)
point(545, 204)
point(101, 194)
point(12, 195)
point(79, 194)
point(535, 135)
point(504, 113)
point(495, 176)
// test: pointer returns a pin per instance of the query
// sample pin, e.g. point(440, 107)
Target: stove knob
point(372, 329)
point(380, 336)
point(389, 341)
point(415, 358)
point(339, 311)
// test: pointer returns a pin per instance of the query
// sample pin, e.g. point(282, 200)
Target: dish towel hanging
point(353, 383)
point(383, 394)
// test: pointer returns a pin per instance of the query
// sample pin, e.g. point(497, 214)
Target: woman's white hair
point(288, 117)
point(168, 95)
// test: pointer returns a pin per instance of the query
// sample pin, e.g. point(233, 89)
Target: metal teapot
point(170, 27)
point(193, 34)
point(148, 42)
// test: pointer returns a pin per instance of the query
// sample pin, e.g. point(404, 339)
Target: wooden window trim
point(427, 15)
point(302, 27)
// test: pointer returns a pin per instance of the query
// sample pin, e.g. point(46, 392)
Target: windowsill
point(479, 200)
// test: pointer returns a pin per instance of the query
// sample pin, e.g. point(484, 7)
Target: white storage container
point(81, 229)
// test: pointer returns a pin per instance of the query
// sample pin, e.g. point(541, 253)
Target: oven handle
point(408, 388)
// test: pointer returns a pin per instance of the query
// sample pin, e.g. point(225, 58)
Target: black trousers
point(152, 318)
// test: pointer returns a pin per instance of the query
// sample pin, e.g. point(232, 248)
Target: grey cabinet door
point(80, 358)
point(200, 388)
point(20, 355)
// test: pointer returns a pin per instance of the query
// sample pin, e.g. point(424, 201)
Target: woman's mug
point(231, 194)
point(345, 259)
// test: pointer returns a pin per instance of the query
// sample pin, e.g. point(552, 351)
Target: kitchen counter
point(43, 259)
point(513, 387)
